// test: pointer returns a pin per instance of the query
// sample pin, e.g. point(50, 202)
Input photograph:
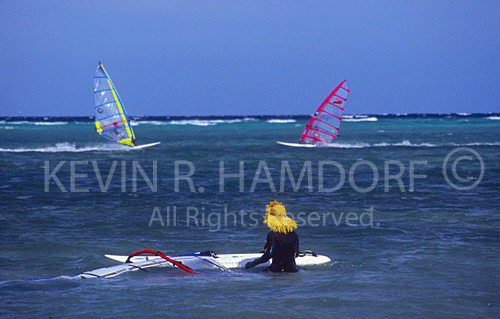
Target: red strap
point(157, 253)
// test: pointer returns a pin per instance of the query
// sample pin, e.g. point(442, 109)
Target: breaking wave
point(405, 143)
point(68, 147)
point(281, 121)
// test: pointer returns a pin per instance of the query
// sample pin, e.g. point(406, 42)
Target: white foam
point(351, 116)
point(136, 123)
point(204, 122)
point(342, 145)
point(361, 119)
point(408, 144)
point(281, 121)
point(33, 123)
point(68, 147)
point(405, 143)
point(477, 144)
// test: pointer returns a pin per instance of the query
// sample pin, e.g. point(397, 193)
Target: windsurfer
point(282, 243)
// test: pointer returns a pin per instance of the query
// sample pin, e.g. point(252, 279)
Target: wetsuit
point(283, 249)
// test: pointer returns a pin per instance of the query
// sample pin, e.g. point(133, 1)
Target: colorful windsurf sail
point(111, 120)
point(325, 123)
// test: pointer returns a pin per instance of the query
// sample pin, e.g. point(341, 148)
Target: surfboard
point(228, 260)
point(138, 147)
point(112, 271)
point(198, 261)
point(296, 144)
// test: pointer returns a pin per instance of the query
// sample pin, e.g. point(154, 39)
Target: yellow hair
point(277, 220)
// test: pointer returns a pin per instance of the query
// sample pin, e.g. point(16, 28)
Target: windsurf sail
point(325, 123)
point(111, 120)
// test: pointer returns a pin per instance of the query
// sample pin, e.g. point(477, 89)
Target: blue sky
point(172, 58)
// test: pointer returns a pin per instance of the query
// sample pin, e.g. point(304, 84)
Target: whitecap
point(477, 144)
point(281, 121)
point(35, 123)
point(342, 145)
point(137, 123)
point(204, 122)
point(362, 119)
point(69, 147)
point(405, 143)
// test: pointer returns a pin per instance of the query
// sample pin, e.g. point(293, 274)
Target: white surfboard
point(138, 147)
point(220, 262)
point(297, 144)
point(227, 260)
point(116, 270)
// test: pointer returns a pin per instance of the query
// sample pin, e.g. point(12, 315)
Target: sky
point(203, 58)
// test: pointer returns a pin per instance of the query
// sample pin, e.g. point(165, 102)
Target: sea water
point(406, 206)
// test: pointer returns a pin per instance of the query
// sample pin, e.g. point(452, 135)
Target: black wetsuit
point(283, 249)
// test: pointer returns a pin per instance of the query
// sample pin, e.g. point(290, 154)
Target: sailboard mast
point(111, 120)
point(325, 123)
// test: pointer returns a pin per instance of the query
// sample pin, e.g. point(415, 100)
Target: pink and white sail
point(325, 123)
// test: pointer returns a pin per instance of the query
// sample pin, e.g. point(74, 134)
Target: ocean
point(406, 206)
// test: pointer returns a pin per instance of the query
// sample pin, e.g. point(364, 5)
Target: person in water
point(282, 243)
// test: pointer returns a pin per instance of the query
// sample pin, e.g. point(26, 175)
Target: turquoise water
point(405, 206)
